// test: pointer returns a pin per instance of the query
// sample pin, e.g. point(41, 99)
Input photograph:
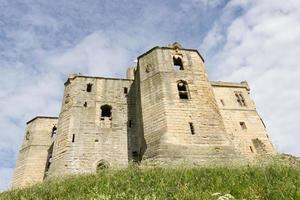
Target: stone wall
point(33, 155)
point(242, 122)
point(85, 138)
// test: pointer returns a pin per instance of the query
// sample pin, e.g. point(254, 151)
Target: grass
point(272, 182)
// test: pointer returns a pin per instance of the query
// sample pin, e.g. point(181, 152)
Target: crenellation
point(166, 112)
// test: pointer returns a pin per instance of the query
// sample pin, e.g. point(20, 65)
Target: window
point(240, 98)
point(129, 124)
point(177, 62)
point(53, 131)
point(243, 125)
point(105, 111)
point(192, 128)
point(251, 149)
point(85, 104)
point(125, 90)
point(89, 87)
point(73, 138)
point(182, 90)
point(222, 102)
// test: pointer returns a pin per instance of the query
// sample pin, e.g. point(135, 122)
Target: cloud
point(262, 45)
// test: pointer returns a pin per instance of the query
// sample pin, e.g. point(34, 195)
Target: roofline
point(45, 117)
point(243, 84)
point(72, 77)
point(157, 47)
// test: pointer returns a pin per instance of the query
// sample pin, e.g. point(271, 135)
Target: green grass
point(273, 182)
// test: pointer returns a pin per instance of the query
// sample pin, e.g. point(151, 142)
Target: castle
point(166, 111)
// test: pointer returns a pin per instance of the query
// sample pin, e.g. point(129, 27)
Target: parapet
point(243, 84)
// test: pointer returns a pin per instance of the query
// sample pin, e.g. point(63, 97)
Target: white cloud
point(262, 45)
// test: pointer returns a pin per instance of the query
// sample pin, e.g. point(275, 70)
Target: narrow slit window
point(125, 90)
point(73, 138)
point(54, 129)
point(129, 124)
point(89, 87)
point(251, 149)
point(243, 125)
point(192, 128)
point(177, 62)
point(222, 102)
point(183, 90)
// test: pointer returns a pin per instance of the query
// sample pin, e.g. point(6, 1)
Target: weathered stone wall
point(32, 159)
point(86, 139)
point(166, 118)
point(242, 122)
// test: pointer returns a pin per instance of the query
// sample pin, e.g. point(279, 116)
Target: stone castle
point(166, 111)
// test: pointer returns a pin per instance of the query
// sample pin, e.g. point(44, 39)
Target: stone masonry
point(166, 112)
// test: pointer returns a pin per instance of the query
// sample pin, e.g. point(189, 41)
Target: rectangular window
point(192, 128)
point(240, 98)
point(129, 124)
point(243, 125)
point(125, 90)
point(89, 87)
point(73, 138)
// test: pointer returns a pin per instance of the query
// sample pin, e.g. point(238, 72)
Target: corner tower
point(180, 117)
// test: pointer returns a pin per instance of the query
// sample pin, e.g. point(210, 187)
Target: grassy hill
point(272, 182)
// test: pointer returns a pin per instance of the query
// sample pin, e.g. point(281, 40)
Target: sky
point(42, 42)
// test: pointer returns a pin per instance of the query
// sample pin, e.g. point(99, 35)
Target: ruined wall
point(241, 119)
point(86, 139)
point(32, 159)
point(167, 119)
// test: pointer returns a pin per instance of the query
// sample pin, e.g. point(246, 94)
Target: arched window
point(177, 62)
point(105, 111)
point(183, 90)
point(102, 165)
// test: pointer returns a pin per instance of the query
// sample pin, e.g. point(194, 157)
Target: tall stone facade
point(166, 111)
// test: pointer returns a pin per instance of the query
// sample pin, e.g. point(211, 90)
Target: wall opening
point(129, 123)
point(106, 111)
point(54, 129)
point(183, 90)
point(240, 98)
point(89, 87)
point(192, 128)
point(243, 125)
point(177, 62)
point(85, 104)
point(125, 90)
point(222, 102)
point(73, 138)
point(251, 149)
point(102, 165)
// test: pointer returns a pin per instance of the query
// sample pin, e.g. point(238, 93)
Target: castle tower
point(34, 155)
point(180, 117)
point(92, 128)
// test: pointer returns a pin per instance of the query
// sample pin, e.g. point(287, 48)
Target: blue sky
point(41, 42)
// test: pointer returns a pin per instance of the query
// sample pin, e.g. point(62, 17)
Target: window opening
point(85, 104)
point(89, 87)
point(251, 149)
point(73, 138)
point(129, 124)
point(105, 111)
point(54, 129)
point(243, 125)
point(192, 128)
point(222, 102)
point(125, 90)
point(182, 90)
point(240, 98)
point(177, 62)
